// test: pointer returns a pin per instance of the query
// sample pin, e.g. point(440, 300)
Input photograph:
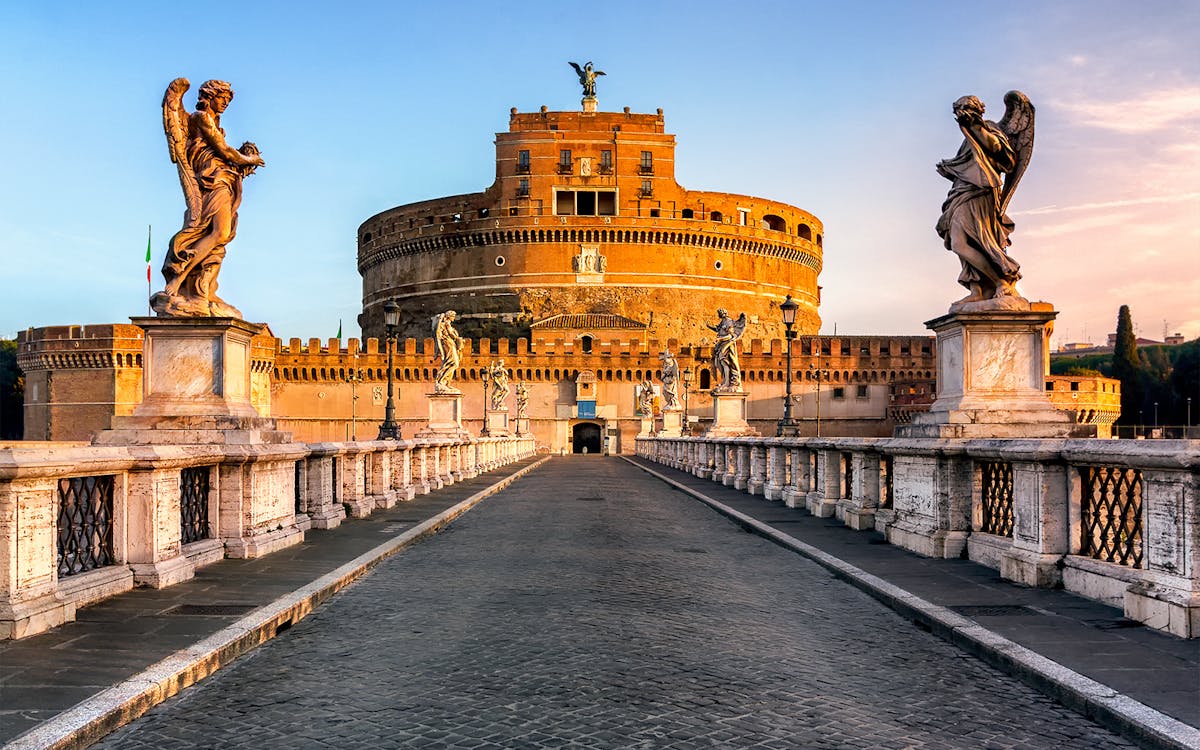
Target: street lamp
point(787, 426)
point(687, 384)
point(389, 430)
point(486, 376)
point(817, 373)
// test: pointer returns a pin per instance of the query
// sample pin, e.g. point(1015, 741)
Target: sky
point(841, 109)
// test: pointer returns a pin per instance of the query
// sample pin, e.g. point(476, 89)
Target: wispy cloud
point(1105, 205)
point(1154, 110)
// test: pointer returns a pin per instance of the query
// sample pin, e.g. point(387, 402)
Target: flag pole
point(148, 292)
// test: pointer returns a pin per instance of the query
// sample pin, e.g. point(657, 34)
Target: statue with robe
point(984, 174)
point(726, 368)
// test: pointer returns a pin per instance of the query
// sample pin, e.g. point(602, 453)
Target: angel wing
point(1017, 124)
point(578, 70)
point(739, 326)
point(175, 125)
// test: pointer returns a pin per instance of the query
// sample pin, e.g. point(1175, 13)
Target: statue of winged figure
point(985, 173)
point(449, 351)
point(211, 173)
point(587, 77)
point(727, 370)
point(499, 378)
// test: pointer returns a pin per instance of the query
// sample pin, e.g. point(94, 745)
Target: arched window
point(687, 213)
point(805, 232)
point(775, 223)
point(585, 343)
point(705, 379)
point(716, 216)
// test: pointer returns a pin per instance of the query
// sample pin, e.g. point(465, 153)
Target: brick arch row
point(459, 241)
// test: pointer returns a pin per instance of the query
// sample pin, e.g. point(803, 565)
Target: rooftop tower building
point(585, 218)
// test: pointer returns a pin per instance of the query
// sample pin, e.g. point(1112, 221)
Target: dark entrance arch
point(586, 435)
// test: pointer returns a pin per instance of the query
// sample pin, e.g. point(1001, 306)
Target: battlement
point(586, 122)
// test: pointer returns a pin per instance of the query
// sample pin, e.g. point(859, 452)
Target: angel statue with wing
point(727, 371)
point(211, 173)
point(449, 351)
point(984, 173)
point(587, 77)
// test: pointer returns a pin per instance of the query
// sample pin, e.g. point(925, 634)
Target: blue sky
point(843, 111)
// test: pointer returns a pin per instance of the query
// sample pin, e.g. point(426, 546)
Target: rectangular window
point(564, 203)
point(564, 161)
point(522, 162)
point(523, 188)
point(606, 162)
point(647, 164)
point(743, 216)
point(839, 393)
point(647, 188)
point(862, 391)
point(585, 203)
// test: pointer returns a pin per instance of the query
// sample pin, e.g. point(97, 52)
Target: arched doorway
point(586, 435)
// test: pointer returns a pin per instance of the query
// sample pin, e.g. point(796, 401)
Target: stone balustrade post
point(933, 490)
point(29, 598)
point(1041, 524)
point(256, 499)
point(1167, 596)
point(741, 476)
point(353, 476)
point(323, 507)
point(858, 510)
point(420, 475)
point(795, 494)
point(758, 467)
point(401, 474)
point(777, 455)
point(719, 456)
point(383, 466)
point(823, 500)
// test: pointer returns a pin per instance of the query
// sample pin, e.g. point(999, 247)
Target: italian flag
point(147, 254)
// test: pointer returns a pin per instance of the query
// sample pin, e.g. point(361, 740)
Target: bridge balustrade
point(1113, 520)
point(81, 523)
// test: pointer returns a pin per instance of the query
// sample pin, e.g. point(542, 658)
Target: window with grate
point(606, 162)
point(996, 497)
point(522, 162)
point(85, 524)
point(1111, 514)
point(646, 166)
point(193, 504)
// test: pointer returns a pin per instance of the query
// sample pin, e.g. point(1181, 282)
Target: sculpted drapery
point(211, 173)
point(984, 173)
point(727, 369)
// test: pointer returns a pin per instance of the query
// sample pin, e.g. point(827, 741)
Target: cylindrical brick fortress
point(585, 216)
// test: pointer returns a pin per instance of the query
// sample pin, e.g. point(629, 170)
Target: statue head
point(721, 313)
point(211, 92)
point(968, 104)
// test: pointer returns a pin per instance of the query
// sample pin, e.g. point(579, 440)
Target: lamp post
point(486, 376)
point(817, 373)
point(389, 430)
point(787, 425)
point(687, 384)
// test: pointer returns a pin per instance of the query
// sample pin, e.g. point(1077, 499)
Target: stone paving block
point(543, 621)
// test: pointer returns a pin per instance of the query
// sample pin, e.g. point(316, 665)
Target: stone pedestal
point(195, 387)
point(496, 422)
point(729, 416)
point(991, 369)
point(445, 416)
point(672, 424)
point(647, 428)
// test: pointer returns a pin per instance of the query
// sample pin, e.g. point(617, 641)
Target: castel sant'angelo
point(580, 264)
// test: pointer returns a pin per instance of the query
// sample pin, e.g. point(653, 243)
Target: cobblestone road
point(591, 606)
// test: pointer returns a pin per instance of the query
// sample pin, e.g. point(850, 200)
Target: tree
point(12, 392)
point(1127, 367)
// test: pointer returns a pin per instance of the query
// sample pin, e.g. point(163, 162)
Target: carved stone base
point(445, 416)
point(672, 424)
point(496, 422)
point(25, 618)
point(1173, 610)
point(1031, 568)
point(263, 544)
point(158, 575)
point(729, 416)
point(991, 378)
point(647, 428)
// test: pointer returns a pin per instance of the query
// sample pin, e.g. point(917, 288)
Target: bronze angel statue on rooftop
point(587, 77)
point(985, 173)
point(211, 173)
